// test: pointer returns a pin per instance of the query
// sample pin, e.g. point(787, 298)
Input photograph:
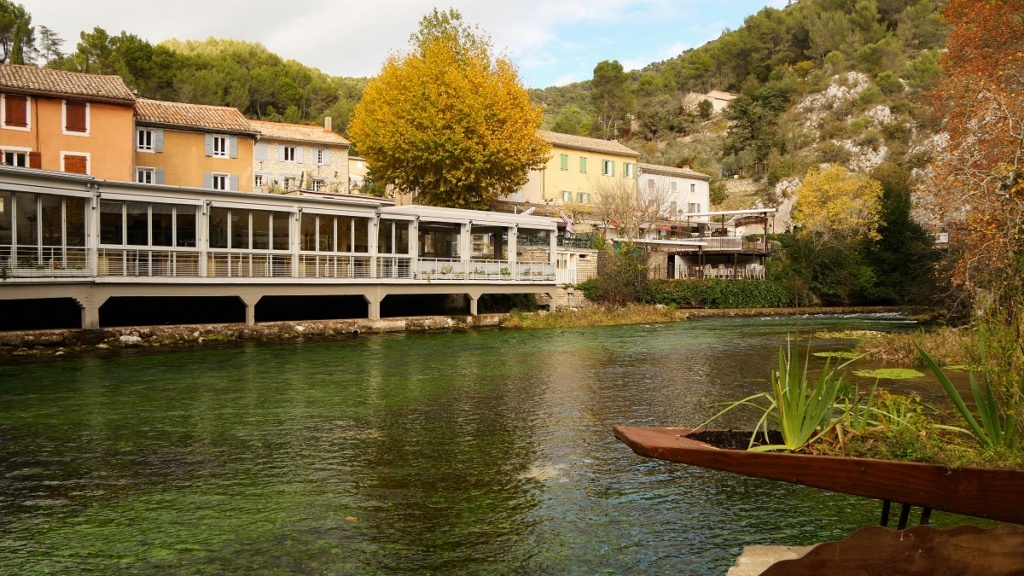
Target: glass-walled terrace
point(122, 235)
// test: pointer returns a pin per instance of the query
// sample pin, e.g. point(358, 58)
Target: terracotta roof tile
point(298, 133)
point(195, 116)
point(587, 144)
point(40, 81)
point(672, 171)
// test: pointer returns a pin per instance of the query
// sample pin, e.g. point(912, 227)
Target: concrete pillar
point(374, 305)
point(474, 298)
point(250, 301)
point(90, 304)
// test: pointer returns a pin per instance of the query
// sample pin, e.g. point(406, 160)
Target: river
point(485, 452)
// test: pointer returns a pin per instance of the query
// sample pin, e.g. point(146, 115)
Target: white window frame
point(607, 167)
point(64, 121)
point(222, 178)
point(224, 149)
point(320, 156)
point(288, 181)
point(288, 153)
point(88, 160)
point(627, 169)
point(151, 136)
point(28, 114)
point(257, 180)
point(566, 196)
point(584, 197)
point(693, 188)
point(15, 150)
point(319, 184)
point(150, 174)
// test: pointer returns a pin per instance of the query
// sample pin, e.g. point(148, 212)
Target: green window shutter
point(565, 161)
point(583, 164)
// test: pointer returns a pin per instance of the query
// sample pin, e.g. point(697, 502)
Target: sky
point(552, 43)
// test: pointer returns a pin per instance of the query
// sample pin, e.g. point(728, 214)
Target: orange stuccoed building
point(66, 122)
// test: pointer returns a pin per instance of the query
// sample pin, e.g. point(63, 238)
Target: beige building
point(291, 157)
point(686, 191)
point(192, 145)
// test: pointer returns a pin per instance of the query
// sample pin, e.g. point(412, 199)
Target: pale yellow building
point(579, 167)
point(193, 145)
point(291, 157)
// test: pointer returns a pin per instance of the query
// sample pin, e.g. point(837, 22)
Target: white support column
point(513, 247)
point(90, 304)
point(250, 301)
point(474, 299)
point(373, 301)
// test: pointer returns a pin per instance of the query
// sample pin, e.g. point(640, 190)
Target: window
point(323, 156)
point(318, 185)
point(15, 111)
point(673, 186)
point(608, 167)
point(564, 158)
point(288, 153)
point(220, 147)
point(584, 197)
point(650, 184)
point(149, 140)
point(289, 183)
point(219, 182)
point(77, 163)
point(693, 188)
point(76, 117)
point(16, 158)
point(145, 176)
point(627, 169)
point(566, 196)
point(673, 210)
point(257, 181)
point(693, 207)
point(583, 164)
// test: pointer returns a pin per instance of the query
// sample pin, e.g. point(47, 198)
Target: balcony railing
point(319, 265)
point(146, 262)
point(247, 264)
point(44, 262)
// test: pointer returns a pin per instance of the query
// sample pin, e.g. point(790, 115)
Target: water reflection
point(486, 452)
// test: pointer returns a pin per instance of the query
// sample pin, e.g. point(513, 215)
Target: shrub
point(718, 293)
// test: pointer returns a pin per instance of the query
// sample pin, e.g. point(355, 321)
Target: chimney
point(327, 123)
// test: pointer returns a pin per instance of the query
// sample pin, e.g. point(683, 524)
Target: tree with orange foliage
point(979, 176)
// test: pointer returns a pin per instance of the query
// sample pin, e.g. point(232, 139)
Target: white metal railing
point(480, 269)
point(248, 264)
point(44, 262)
point(565, 276)
point(320, 265)
point(535, 271)
point(144, 262)
point(394, 267)
point(440, 269)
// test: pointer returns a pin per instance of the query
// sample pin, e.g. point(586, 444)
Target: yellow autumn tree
point(449, 121)
point(835, 205)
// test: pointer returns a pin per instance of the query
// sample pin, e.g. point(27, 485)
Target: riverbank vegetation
point(594, 315)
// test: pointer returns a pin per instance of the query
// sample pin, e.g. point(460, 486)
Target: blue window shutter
point(158, 140)
point(158, 176)
point(234, 147)
point(207, 180)
point(327, 156)
point(233, 184)
point(209, 145)
point(260, 151)
point(298, 154)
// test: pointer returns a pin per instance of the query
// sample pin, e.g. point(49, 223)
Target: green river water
point(471, 453)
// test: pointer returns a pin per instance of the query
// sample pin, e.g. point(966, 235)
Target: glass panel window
point(111, 222)
point(257, 181)
point(52, 220)
point(6, 218)
point(289, 153)
point(566, 196)
point(533, 245)
point(220, 182)
point(362, 235)
point(608, 168)
point(693, 188)
point(401, 237)
point(260, 230)
point(163, 224)
point(627, 169)
point(145, 176)
point(185, 226)
point(27, 223)
point(385, 237)
point(16, 158)
point(239, 229)
point(307, 232)
point(281, 232)
point(74, 214)
point(137, 223)
point(321, 157)
point(218, 227)
point(344, 234)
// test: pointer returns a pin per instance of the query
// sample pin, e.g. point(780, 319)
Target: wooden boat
point(979, 492)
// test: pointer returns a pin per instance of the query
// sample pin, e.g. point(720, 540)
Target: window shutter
point(158, 176)
point(260, 151)
point(76, 164)
point(15, 110)
point(209, 149)
point(75, 113)
point(207, 180)
point(327, 156)
point(233, 185)
point(298, 154)
point(234, 147)
point(158, 140)
point(35, 160)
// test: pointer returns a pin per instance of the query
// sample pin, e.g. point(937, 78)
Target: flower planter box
point(979, 492)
